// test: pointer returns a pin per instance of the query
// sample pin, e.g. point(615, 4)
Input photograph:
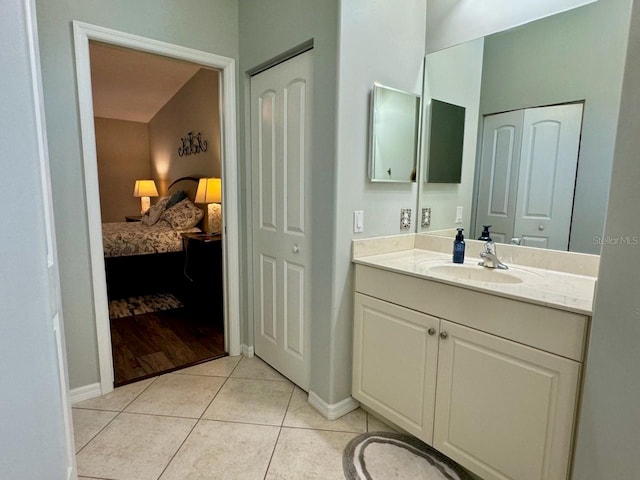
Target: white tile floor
point(232, 418)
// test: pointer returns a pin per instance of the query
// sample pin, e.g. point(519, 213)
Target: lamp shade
point(209, 190)
point(145, 188)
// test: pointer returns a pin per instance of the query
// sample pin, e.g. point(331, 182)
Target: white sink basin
point(480, 274)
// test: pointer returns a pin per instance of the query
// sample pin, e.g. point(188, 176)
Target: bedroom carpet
point(390, 455)
point(126, 307)
point(149, 344)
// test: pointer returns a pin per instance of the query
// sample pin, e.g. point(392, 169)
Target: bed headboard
point(188, 185)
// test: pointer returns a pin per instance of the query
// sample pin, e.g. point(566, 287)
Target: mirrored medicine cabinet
point(394, 135)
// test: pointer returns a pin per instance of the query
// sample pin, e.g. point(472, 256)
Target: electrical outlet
point(358, 221)
point(426, 217)
point(405, 218)
point(459, 215)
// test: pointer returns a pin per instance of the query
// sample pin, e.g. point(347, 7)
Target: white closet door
point(281, 156)
point(548, 164)
point(527, 178)
point(499, 163)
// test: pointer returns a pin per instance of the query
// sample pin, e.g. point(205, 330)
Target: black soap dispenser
point(486, 236)
point(458, 247)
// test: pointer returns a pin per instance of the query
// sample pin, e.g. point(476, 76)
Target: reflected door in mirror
point(527, 175)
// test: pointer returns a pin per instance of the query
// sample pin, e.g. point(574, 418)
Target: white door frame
point(84, 32)
point(49, 230)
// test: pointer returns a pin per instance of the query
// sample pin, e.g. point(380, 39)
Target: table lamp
point(145, 189)
point(210, 192)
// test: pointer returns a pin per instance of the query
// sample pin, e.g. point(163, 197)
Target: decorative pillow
point(176, 198)
point(183, 216)
point(154, 213)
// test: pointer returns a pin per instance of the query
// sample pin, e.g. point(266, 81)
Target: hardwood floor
point(152, 343)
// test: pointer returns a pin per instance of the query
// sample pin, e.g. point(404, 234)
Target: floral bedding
point(135, 238)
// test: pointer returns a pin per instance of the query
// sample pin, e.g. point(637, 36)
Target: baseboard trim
point(335, 410)
point(85, 392)
point(247, 351)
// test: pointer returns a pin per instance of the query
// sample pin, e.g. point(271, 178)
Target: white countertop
point(564, 291)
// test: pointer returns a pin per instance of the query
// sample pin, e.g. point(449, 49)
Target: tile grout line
point(178, 449)
point(275, 445)
point(197, 420)
point(120, 412)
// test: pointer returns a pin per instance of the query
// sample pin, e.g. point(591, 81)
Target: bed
point(146, 256)
point(121, 239)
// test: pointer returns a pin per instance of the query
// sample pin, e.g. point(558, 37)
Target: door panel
point(294, 309)
point(548, 164)
point(398, 387)
point(499, 163)
point(502, 407)
point(268, 315)
point(267, 159)
point(294, 155)
point(538, 175)
point(527, 178)
point(281, 141)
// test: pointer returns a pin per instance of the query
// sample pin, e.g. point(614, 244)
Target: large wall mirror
point(508, 84)
point(394, 135)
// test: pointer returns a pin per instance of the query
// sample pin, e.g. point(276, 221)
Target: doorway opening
point(228, 243)
point(165, 313)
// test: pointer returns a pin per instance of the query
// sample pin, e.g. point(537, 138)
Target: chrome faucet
point(490, 257)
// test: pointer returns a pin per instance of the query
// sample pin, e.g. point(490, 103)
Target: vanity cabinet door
point(504, 410)
point(395, 360)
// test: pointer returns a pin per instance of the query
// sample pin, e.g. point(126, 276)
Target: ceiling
point(132, 85)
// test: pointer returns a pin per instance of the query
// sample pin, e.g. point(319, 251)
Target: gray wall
point(208, 25)
point(32, 432)
point(609, 424)
point(378, 42)
point(365, 37)
point(453, 75)
point(194, 108)
point(451, 22)
point(122, 149)
point(577, 55)
point(267, 29)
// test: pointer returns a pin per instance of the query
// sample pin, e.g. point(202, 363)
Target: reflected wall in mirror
point(573, 57)
point(446, 139)
point(394, 134)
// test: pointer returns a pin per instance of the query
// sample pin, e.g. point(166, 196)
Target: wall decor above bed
point(192, 144)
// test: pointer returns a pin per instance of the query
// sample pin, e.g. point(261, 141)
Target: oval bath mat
point(394, 456)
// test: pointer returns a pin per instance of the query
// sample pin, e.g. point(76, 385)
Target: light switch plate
point(459, 215)
point(405, 218)
point(358, 221)
point(426, 217)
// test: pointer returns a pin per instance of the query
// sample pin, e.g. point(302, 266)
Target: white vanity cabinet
point(395, 362)
point(502, 407)
point(504, 410)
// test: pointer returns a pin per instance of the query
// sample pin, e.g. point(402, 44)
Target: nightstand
point(203, 270)
point(133, 218)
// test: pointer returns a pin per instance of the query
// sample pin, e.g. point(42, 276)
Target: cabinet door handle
point(431, 331)
point(444, 335)
point(296, 248)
